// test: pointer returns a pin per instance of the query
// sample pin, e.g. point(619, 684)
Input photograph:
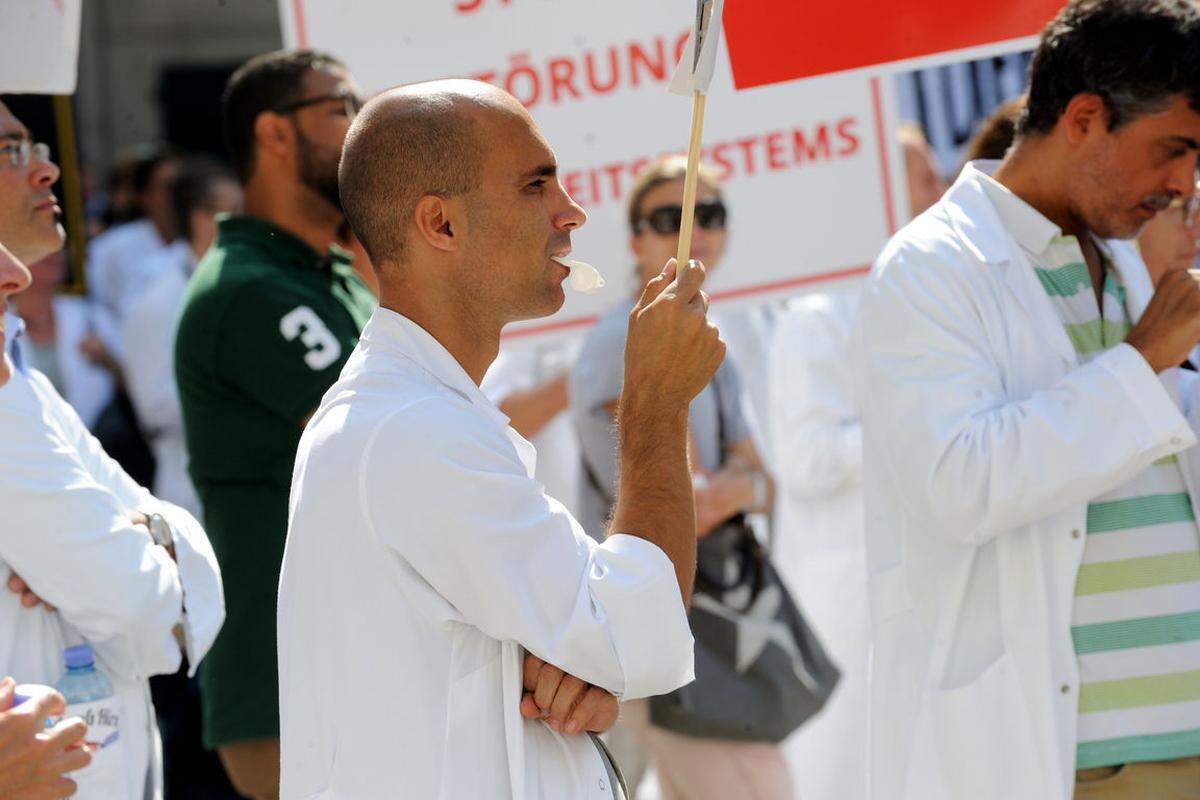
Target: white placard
point(39, 46)
point(813, 180)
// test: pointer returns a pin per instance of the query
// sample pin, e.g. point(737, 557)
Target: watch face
point(160, 531)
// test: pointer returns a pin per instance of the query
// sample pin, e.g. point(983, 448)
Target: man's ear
point(274, 134)
point(1085, 113)
point(440, 223)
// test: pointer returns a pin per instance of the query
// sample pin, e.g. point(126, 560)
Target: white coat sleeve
point(514, 563)
point(101, 270)
point(817, 430)
point(149, 365)
point(71, 539)
point(965, 454)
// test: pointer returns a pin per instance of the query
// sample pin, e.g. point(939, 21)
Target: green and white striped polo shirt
point(1136, 621)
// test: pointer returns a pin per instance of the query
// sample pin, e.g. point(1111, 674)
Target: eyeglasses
point(1190, 207)
point(667, 220)
point(352, 103)
point(19, 153)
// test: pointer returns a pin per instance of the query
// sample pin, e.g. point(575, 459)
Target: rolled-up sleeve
point(448, 493)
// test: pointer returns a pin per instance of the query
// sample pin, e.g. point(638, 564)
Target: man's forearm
point(655, 500)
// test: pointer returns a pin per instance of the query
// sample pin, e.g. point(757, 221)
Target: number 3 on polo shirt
point(303, 323)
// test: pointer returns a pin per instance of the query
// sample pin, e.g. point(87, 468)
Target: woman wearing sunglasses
point(730, 477)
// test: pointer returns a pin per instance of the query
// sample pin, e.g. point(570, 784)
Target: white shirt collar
point(1032, 230)
point(14, 328)
point(395, 333)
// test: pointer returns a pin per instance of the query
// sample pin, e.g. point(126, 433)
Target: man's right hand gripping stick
point(673, 349)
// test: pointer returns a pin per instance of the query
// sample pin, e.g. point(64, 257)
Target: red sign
point(772, 41)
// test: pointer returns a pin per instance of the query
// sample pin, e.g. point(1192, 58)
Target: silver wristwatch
point(160, 531)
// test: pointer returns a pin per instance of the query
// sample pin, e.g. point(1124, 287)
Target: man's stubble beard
point(318, 171)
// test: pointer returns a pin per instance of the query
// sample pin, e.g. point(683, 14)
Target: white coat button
point(1176, 440)
point(1066, 689)
point(1075, 533)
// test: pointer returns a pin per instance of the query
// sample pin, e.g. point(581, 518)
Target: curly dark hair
point(1135, 54)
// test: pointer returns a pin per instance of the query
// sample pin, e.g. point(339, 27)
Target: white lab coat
point(984, 440)
point(422, 561)
point(149, 363)
point(64, 527)
point(819, 528)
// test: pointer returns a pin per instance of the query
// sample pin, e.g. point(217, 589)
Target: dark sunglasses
point(353, 104)
point(667, 220)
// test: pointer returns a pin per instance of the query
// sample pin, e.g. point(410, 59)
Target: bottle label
point(105, 776)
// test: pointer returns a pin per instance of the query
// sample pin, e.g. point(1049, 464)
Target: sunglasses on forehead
point(667, 220)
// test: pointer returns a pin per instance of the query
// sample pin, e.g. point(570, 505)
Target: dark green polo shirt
point(266, 325)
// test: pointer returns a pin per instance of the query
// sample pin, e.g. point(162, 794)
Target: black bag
point(760, 671)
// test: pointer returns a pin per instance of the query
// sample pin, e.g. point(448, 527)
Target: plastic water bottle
point(90, 696)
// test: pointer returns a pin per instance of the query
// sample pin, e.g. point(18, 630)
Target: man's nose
point(44, 174)
point(572, 216)
point(14, 276)
point(1182, 180)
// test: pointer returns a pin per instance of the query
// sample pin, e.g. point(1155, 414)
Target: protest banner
point(39, 46)
point(813, 177)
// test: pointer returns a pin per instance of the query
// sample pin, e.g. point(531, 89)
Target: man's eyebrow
point(1188, 142)
point(548, 170)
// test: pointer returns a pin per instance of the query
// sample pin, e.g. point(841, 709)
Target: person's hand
point(720, 496)
point(567, 704)
point(1170, 326)
point(17, 585)
point(93, 349)
point(34, 758)
point(672, 349)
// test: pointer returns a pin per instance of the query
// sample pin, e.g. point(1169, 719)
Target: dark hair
point(1135, 54)
point(430, 143)
point(264, 82)
point(194, 187)
point(996, 133)
point(666, 169)
point(147, 158)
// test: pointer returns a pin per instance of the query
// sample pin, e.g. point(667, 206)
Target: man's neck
point(296, 209)
point(474, 345)
point(1034, 174)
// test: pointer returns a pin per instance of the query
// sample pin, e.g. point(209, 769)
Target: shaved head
point(410, 142)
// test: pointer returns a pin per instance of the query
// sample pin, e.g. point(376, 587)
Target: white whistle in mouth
point(584, 277)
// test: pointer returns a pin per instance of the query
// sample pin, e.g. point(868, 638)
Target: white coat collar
point(975, 217)
point(396, 333)
point(993, 223)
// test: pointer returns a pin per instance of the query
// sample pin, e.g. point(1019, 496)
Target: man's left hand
point(566, 703)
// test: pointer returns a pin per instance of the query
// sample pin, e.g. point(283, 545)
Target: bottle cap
point(79, 656)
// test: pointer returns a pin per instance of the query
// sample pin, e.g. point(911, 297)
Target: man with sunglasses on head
point(729, 474)
point(271, 314)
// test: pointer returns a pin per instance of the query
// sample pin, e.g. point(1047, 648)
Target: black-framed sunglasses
point(667, 220)
point(352, 103)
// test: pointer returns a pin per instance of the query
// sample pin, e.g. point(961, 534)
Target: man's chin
point(548, 305)
point(1124, 228)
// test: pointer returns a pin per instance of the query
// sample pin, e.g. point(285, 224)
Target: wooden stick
point(72, 192)
point(691, 179)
